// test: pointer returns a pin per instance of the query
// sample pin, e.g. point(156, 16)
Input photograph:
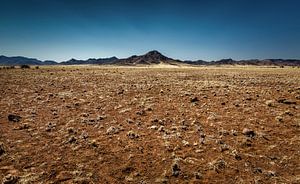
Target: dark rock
point(175, 169)
point(132, 135)
point(288, 102)
point(130, 121)
point(249, 133)
point(72, 139)
point(99, 118)
point(194, 99)
point(198, 175)
point(112, 130)
point(271, 173)
point(237, 157)
point(141, 112)
point(257, 170)
point(14, 118)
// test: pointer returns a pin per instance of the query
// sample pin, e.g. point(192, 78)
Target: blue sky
point(184, 29)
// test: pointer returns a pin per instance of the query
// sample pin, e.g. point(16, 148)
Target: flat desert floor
point(150, 125)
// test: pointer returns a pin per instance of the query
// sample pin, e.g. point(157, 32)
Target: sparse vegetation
point(24, 66)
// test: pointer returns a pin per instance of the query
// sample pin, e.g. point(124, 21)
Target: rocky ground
point(150, 125)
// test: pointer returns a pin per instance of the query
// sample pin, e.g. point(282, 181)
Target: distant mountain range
point(151, 58)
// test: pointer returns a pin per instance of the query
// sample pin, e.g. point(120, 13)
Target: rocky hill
point(18, 60)
point(91, 61)
point(152, 57)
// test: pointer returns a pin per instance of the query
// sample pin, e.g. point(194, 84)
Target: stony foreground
point(150, 125)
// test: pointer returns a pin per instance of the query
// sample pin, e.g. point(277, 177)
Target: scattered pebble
point(99, 118)
point(194, 99)
point(72, 139)
point(112, 130)
point(270, 103)
point(14, 118)
point(132, 135)
point(198, 175)
point(130, 121)
point(249, 133)
point(185, 143)
point(279, 119)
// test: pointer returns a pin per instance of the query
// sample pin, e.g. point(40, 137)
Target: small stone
point(224, 147)
point(234, 132)
point(185, 143)
point(198, 175)
point(50, 126)
point(194, 99)
point(279, 119)
point(257, 170)
point(223, 132)
point(72, 139)
point(270, 103)
point(271, 173)
point(141, 112)
point(130, 121)
point(85, 115)
point(249, 133)
point(94, 143)
point(112, 130)
point(161, 129)
point(99, 118)
point(14, 118)
point(84, 135)
point(154, 127)
point(288, 113)
point(132, 135)
point(71, 130)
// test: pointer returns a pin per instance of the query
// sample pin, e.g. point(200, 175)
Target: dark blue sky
point(184, 29)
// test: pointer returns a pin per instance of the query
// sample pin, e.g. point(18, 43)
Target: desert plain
point(97, 124)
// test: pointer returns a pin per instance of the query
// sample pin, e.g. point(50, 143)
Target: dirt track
point(150, 125)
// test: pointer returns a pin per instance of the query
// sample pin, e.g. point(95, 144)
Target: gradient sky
point(184, 29)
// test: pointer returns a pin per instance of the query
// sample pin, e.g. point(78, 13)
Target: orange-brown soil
point(150, 125)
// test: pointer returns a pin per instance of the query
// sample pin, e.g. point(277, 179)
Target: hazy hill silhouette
point(151, 58)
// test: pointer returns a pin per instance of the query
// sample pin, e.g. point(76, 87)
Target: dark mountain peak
point(114, 57)
point(154, 56)
point(153, 52)
point(73, 59)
